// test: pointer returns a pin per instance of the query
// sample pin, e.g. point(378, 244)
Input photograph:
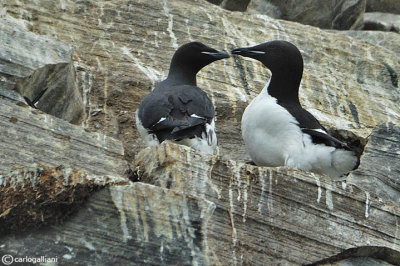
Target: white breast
point(271, 134)
point(273, 138)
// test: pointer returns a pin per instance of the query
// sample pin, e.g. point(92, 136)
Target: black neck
point(285, 89)
point(182, 75)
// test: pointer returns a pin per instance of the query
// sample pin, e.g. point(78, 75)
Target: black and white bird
point(177, 109)
point(276, 129)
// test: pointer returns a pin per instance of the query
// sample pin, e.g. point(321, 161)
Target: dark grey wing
point(311, 126)
point(176, 112)
point(153, 108)
point(195, 102)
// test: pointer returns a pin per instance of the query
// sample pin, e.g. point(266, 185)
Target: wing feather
point(175, 112)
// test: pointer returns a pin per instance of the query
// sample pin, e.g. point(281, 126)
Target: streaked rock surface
point(122, 52)
point(387, 40)
point(388, 6)
point(233, 5)
point(382, 21)
point(33, 197)
point(32, 64)
point(329, 14)
point(273, 215)
point(195, 208)
point(129, 224)
point(201, 209)
point(30, 138)
point(380, 169)
point(366, 255)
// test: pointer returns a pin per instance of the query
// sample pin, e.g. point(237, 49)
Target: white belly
point(270, 132)
point(273, 138)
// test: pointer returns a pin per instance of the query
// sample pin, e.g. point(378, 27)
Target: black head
point(193, 56)
point(278, 56)
point(286, 65)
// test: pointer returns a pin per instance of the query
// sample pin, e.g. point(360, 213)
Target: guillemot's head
point(195, 56)
point(277, 56)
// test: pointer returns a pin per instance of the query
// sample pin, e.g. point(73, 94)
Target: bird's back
point(176, 111)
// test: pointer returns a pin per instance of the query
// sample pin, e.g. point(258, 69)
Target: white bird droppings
point(367, 204)
point(318, 182)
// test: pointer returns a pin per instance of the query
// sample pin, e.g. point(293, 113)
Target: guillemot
point(35, 100)
point(276, 129)
point(176, 109)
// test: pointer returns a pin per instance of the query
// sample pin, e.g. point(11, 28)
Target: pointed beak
point(247, 51)
point(217, 55)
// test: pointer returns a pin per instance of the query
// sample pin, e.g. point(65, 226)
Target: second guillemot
point(177, 109)
point(277, 130)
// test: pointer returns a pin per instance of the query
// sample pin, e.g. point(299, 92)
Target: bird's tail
point(333, 162)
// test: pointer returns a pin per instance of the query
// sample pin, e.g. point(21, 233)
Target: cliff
point(77, 183)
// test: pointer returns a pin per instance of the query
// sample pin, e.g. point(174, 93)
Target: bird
point(35, 100)
point(277, 130)
point(177, 109)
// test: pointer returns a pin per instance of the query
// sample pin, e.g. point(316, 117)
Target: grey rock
point(201, 209)
point(380, 169)
point(62, 99)
point(233, 5)
point(360, 262)
point(23, 52)
point(349, 15)
point(11, 95)
point(382, 21)
point(125, 225)
point(264, 7)
point(49, 166)
point(272, 215)
point(215, 2)
point(387, 6)
point(387, 40)
point(333, 14)
point(366, 255)
point(30, 63)
point(261, 216)
point(29, 138)
point(116, 73)
point(33, 197)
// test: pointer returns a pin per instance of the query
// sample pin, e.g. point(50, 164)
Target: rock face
point(119, 73)
point(367, 255)
point(233, 5)
point(29, 138)
point(380, 173)
point(388, 40)
point(32, 64)
point(90, 194)
point(49, 166)
point(332, 14)
point(249, 198)
point(348, 15)
point(200, 209)
point(132, 225)
point(387, 6)
point(382, 21)
point(49, 195)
